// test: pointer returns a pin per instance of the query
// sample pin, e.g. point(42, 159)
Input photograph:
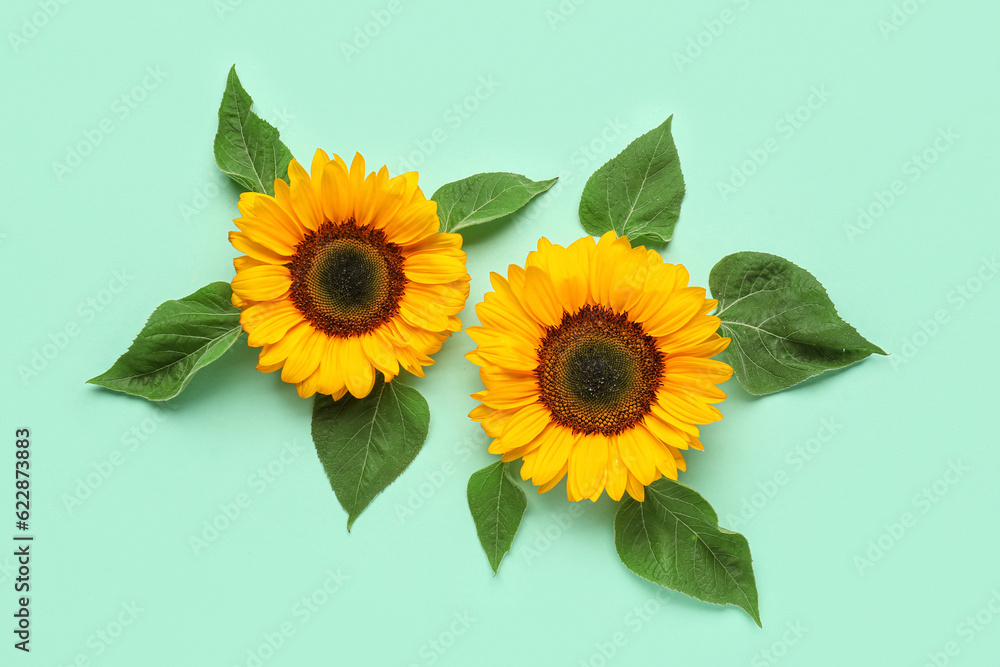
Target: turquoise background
point(840, 582)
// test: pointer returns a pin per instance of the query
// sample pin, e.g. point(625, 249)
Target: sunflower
point(345, 275)
point(597, 365)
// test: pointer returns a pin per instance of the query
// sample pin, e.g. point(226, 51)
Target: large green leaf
point(366, 443)
point(784, 328)
point(497, 504)
point(484, 197)
point(673, 539)
point(180, 338)
point(637, 193)
point(247, 147)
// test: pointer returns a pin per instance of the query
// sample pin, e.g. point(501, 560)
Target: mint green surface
point(891, 460)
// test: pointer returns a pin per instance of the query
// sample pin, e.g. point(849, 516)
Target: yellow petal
point(442, 241)
point(687, 409)
point(549, 485)
point(511, 383)
point(309, 386)
point(270, 212)
point(569, 278)
point(268, 235)
point(319, 161)
point(677, 311)
point(694, 333)
point(667, 465)
point(419, 314)
point(665, 432)
point(359, 376)
point(617, 472)
point(258, 251)
point(365, 198)
point(636, 457)
point(679, 462)
point(504, 319)
point(553, 453)
point(628, 278)
point(380, 352)
point(304, 358)
point(308, 207)
point(610, 250)
point(539, 297)
point(588, 465)
point(262, 283)
point(635, 488)
point(496, 421)
point(507, 396)
point(336, 198)
point(331, 379)
point(698, 369)
point(278, 351)
point(660, 284)
point(413, 223)
point(522, 428)
point(244, 262)
point(269, 321)
point(504, 295)
point(678, 423)
point(435, 268)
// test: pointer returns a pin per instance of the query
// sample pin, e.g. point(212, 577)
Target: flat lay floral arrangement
point(600, 362)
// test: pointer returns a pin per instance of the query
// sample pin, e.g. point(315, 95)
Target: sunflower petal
point(553, 454)
point(539, 297)
point(636, 455)
point(269, 321)
point(359, 376)
point(522, 427)
point(588, 465)
point(262, 283)
point(635, 488)
point(617, 472)
point(304, 359)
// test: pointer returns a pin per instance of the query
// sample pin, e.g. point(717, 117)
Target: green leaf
point(247, 147)
point(497, 504)
point(673, 539)
point(484, 197)
point(783, 326)
point(637, 193)
point(180, 338)
point(364, 444)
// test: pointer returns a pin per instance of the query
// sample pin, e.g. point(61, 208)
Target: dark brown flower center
point(347, 280)
point(598, 372)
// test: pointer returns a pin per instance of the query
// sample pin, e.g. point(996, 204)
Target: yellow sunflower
point(597, 365)
point(344, 275)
